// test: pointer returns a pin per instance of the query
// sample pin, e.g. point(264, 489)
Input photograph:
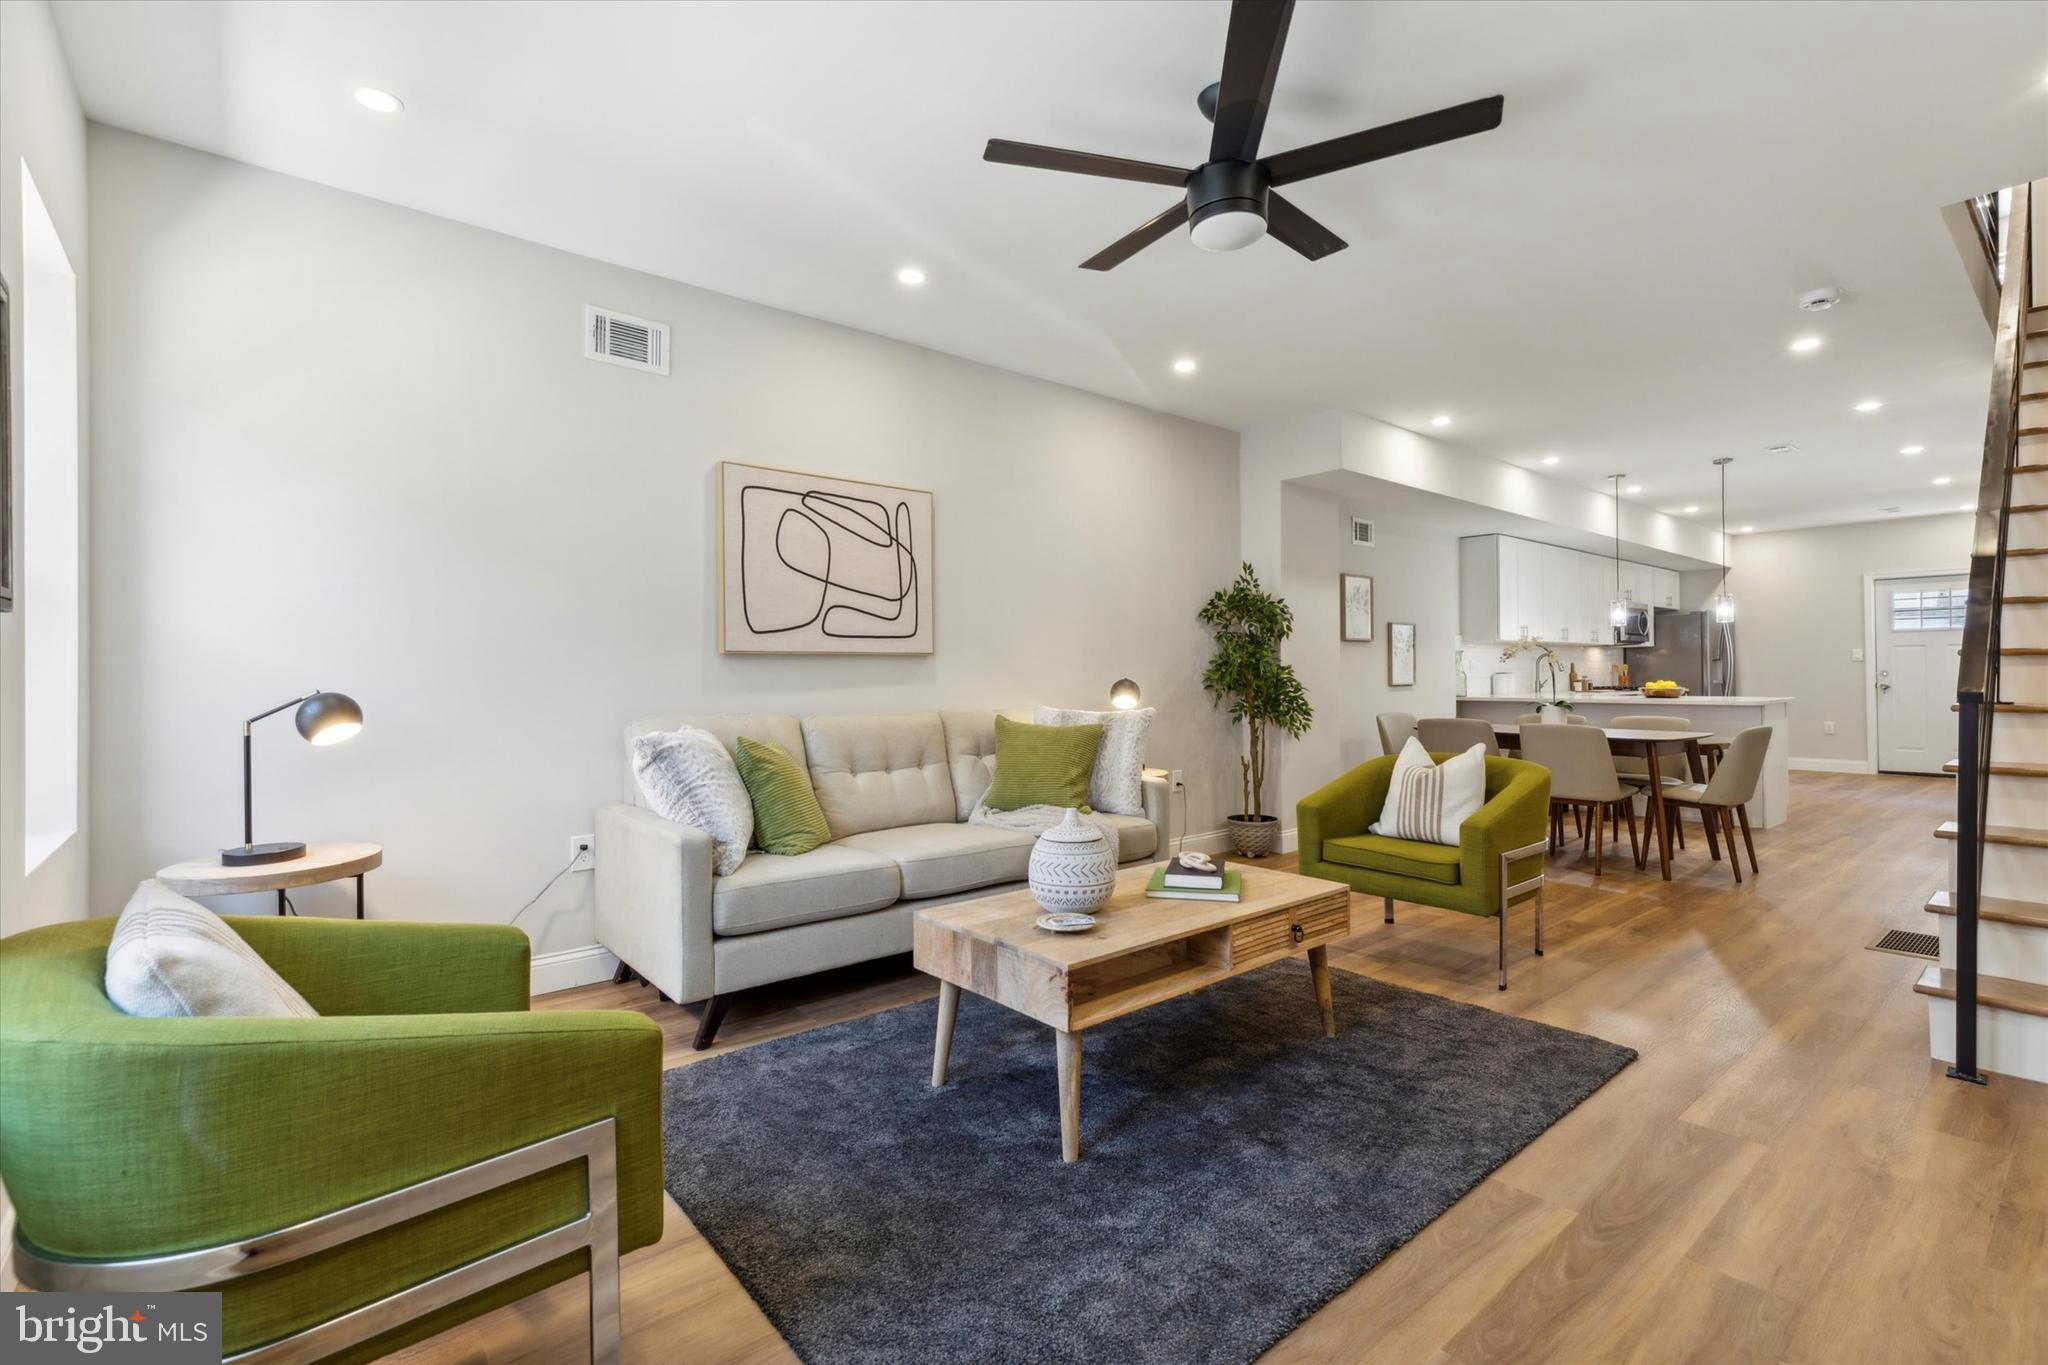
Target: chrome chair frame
point(594, 1144)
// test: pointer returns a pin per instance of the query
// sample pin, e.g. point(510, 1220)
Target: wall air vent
point(1361, 531)
point(621, 339)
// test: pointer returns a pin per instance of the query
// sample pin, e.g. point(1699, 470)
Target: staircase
point(1987, 1003)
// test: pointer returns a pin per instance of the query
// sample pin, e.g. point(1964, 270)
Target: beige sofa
point(896, 790)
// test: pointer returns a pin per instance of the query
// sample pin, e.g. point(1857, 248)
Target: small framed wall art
point(1400, 654)
point(1354, 594)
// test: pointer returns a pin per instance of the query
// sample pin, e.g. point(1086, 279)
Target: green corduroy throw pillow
point(787, 816)
point(1042, 765)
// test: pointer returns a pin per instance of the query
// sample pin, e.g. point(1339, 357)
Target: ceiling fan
point(1229, 201)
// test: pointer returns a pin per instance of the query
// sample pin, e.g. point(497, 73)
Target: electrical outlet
point(1177, 775)
point(582, 853)
point(1827, 727)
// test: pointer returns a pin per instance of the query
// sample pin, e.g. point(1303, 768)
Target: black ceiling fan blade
point(1081, 163)
point(1251, 63)
point(1389, 139)
point(1298, 230)
point(1131, 243)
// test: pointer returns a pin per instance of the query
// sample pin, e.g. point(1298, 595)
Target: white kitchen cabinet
point(1666, 590)
point(1509, 587)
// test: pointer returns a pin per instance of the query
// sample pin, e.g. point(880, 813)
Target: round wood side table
point(319, 863)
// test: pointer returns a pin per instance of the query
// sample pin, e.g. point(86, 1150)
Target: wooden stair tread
point(2024, 651)
point(2011, 708)
point(2026, 551)
point(2003, 769)
point(2030, 507)
point(2031, 468)
point(2001, 834)
point(2025, 600)
point(1998, 992)
point(1994, 908)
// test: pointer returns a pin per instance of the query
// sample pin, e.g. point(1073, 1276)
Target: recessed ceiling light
point(1805, 345)
point(1943, 481)
point(1869, 405)
point(1635, 488)
point(1911, 450)
point(1890, 511)
point(1442, 419)
point(1745, 530)
point(1780, 449)
point(1552, 459)
point(379, 101)
point(910, 275)
point(1185, 365)
point(1691, 508)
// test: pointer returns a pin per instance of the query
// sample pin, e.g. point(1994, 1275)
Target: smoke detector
point(1820, 300)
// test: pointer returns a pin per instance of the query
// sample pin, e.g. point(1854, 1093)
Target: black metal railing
point(1977, 675)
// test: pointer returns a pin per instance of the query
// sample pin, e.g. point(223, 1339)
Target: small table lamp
point(323, 718)
point(1123, 694)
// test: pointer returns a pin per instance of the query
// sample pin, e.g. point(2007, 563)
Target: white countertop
point(1629, 699)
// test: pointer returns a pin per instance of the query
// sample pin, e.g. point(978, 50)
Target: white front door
point(1919, 635)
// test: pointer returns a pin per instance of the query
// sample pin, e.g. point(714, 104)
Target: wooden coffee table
point(1142, 952)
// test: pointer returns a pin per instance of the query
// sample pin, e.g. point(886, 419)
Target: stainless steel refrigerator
point(1693, 650)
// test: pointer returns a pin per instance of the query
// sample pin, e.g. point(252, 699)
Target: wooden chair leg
point(1585, 814)
point(1599, 835)
point(1742, 814)
point(1728, 828)
point(1708, 820)
point(1678, 825)
point(1634, 847)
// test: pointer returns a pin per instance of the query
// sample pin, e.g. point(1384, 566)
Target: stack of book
point(1195, 877)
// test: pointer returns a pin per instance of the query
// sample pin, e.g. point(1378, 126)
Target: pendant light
point(1724, 601)
point(1618, 609)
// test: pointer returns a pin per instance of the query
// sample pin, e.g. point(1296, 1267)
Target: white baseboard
point(572, 967)
point(1218, 841)
point(1827, 765)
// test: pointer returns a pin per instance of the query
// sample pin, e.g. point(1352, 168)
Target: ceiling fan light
point(1228, 227)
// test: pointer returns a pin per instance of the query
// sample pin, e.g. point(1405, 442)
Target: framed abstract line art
point(1354, 594)
point(1400, 654)
point(6, 457)
point(812, 564)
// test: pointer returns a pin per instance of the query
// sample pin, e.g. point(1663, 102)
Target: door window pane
point(1940, 609)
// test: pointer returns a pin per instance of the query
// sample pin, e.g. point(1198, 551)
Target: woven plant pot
point(1254, 836)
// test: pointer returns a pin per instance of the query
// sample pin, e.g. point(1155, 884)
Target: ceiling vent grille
point(1361, 531)
point(621, 339)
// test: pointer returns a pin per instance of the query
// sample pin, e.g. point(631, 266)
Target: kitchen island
point(1724, 716)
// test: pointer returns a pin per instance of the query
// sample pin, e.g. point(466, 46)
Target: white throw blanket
point(1036, 820)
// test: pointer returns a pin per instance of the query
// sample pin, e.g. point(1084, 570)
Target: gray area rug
point(1238, 1170)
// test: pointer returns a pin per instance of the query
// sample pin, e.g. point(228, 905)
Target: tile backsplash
point(1483, 661)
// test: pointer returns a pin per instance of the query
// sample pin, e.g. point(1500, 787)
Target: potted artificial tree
point(1249, 624)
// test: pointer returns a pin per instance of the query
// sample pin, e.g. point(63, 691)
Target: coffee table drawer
point(1291, 930)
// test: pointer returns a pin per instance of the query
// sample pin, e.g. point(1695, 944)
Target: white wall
point(1799, 603)
point(1415, 578)
point(353, 446)
point(40, 124)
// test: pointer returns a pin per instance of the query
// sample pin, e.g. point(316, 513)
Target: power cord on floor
point(1181, 837)
point(550, 885)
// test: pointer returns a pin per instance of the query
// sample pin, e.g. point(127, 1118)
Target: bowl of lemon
point(1663, 687)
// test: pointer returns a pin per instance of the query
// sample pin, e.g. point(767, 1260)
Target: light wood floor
point(1782, 1176)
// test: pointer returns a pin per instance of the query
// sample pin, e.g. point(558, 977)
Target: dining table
point(1646, 745)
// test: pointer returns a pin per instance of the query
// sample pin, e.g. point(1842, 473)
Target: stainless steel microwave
point(1636, 629)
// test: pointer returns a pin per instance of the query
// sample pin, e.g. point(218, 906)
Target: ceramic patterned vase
point(1073, 868)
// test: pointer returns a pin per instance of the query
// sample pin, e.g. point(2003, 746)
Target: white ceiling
point(1610, 276)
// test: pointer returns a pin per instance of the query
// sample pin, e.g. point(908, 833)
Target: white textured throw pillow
point(1427, 803)
point(687, 776)
point(1118, 783)
point(173, 958)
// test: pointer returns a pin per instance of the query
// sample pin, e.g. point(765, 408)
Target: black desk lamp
point(324, 718)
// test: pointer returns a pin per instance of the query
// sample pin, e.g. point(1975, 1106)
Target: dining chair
point(1456, 734)
point(1724, 797)
point(1395, 727)
point(1536, 718)
point(1582, 779)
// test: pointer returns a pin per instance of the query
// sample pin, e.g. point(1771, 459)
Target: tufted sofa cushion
point(879, 772)
point(971, 754)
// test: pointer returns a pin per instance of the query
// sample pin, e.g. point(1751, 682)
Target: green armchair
point(320, 1172)
point(1498, 862)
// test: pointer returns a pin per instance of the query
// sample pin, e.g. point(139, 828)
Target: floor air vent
point(620, 339)
point(1906, 943)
